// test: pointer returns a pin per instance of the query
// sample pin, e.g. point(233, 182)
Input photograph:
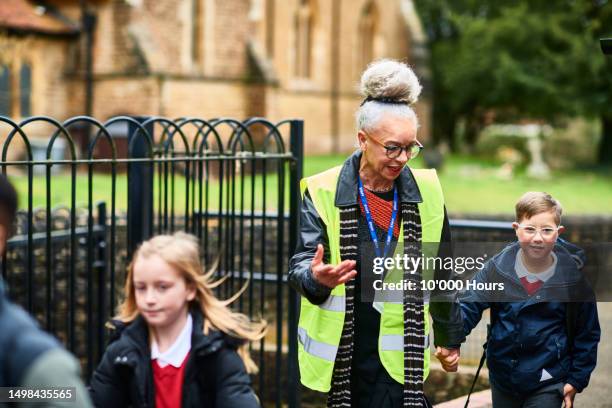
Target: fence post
point(296, 168)
point(140, 187)
point(100, 268)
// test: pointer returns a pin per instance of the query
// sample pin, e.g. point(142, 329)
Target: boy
point(29, 357)
point(531, 361)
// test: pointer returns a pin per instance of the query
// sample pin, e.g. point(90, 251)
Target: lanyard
point(368, 214)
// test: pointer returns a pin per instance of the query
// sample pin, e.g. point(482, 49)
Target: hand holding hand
point(569, 393)
point(449, 358)
point(330, 275)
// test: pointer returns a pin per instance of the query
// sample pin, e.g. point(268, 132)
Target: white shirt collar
point(523, 272)
point(176, 354)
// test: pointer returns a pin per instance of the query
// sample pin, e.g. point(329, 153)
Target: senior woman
point(369, 350)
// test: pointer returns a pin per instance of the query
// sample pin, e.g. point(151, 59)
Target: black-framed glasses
point(394, 151)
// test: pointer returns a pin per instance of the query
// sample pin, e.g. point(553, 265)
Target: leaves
point(538, 59)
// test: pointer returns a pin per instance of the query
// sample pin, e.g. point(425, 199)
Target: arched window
point(304, 25)
point(25, 90)
point(367, 28)
point(197, 32)
point(5, 91)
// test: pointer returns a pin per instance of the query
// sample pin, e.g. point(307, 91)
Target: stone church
point(204, 58)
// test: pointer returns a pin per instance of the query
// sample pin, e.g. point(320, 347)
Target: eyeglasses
point(395, 151)
point(545, 232)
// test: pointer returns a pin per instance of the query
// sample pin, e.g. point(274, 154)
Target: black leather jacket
point(446, 315)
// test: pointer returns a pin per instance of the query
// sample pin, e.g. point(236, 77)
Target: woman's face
point(391, 130)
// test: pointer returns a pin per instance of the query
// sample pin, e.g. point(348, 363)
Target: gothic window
point(367, 26)
point(197, 32)
point(5, 91)
point(304, 25)
point(16, 90)
point(25, 90)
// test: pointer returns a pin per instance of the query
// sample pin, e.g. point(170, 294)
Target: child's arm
point(233, 382)
point(474, 302)
point(584, 349)
point(107, 388)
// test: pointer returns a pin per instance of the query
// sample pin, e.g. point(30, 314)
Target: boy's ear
point(561, 229)
point(515, 225)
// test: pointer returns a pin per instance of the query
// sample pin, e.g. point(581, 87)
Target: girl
point(174, 343)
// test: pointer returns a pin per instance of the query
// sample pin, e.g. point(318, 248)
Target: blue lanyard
point(368, 214)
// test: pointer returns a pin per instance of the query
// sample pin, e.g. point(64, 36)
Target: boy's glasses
point(546, 232)
point(394, 151)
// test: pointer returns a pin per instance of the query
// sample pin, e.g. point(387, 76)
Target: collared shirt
point(523, 272)
point(176, 354)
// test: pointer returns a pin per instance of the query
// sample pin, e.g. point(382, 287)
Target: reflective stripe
point(333, 303)
point(317, 348)
point(395, 342)
point(392, 342)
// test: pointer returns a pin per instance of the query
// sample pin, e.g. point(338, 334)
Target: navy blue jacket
point(31, 358)
point(529, 333)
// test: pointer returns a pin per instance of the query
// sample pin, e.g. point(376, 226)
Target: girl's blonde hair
point(182, 252)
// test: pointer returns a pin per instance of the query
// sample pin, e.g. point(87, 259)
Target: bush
point(573, 145)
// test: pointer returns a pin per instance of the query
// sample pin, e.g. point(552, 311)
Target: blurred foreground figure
point(29, 357)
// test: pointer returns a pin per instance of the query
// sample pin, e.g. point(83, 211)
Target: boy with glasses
point(542, 344)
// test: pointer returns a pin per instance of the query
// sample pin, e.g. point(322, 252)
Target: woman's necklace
point(366, 177)
point(380, 190)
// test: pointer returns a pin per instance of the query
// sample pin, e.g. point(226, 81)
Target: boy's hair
point(8, 204)
point(537, 202)
point(182, 252)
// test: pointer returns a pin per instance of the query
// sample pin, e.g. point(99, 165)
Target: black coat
point(215, 375)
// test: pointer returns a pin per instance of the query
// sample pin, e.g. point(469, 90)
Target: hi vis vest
point(320, 326)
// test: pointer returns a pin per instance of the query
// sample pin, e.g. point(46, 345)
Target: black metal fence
point(234, 184)
point(95, 190)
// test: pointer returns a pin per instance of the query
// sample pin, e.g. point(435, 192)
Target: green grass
point(471, 186)
point(476, 187)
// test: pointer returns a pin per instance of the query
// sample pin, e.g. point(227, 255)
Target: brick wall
point(144, 64)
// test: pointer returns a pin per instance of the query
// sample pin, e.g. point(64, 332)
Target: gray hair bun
point(389, 80)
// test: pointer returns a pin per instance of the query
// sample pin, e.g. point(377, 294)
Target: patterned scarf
point(414, 326)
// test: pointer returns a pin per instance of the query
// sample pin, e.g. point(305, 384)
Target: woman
point(352, 343)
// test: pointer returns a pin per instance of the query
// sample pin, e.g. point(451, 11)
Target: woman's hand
point(330, 275)
point(449, 358)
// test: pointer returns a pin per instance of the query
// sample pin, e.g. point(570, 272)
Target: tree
point(516, 59)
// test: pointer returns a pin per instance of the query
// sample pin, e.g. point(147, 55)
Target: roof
point(22, 16)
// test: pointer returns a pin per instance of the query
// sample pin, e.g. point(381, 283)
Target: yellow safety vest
point(320, 326)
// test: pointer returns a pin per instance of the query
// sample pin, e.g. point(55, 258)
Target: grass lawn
point(474, 186)
point(471, 186)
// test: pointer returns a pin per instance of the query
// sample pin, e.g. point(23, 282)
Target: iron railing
point(231, 183)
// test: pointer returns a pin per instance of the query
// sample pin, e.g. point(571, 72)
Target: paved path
point(599, 392)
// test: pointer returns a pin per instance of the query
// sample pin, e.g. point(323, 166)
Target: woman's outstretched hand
point(331, 275)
